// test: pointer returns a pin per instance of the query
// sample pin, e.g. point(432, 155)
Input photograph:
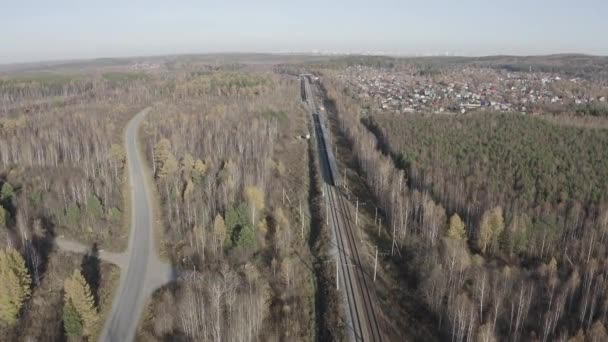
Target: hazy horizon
point(34, 31)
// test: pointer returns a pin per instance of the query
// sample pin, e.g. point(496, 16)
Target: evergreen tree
point(246, 237)
point(7, 193)
point(236, 218)
point(78, 296)
point(15, 284)
point(72, 321)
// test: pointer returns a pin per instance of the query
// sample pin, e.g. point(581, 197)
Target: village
point(464, 89)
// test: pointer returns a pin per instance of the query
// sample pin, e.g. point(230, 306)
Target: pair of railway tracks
point(356, 283)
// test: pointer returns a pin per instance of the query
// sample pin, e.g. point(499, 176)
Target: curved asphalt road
point(143, 271)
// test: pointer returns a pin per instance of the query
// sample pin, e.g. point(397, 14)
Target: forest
point(526, 165)
point(489, 226)
point(231, 170)
point(234, 179)
point(500, 219)
point(61, 170)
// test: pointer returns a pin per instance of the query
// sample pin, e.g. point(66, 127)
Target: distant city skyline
point(66, 29)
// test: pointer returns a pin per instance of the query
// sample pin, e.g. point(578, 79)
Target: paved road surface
point(142, 272)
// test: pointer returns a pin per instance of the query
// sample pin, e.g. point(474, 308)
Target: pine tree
point(72, 321)
point(246, 237)
point(236, 218)
point(15, 284)
point(78, 295)
point(7, 193)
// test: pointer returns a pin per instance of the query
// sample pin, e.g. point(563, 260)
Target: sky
point(64, 29)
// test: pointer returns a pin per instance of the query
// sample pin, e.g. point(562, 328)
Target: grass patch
point(124, 77)
point(280, 116)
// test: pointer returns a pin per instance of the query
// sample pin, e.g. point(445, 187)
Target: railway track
point(356, 284)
